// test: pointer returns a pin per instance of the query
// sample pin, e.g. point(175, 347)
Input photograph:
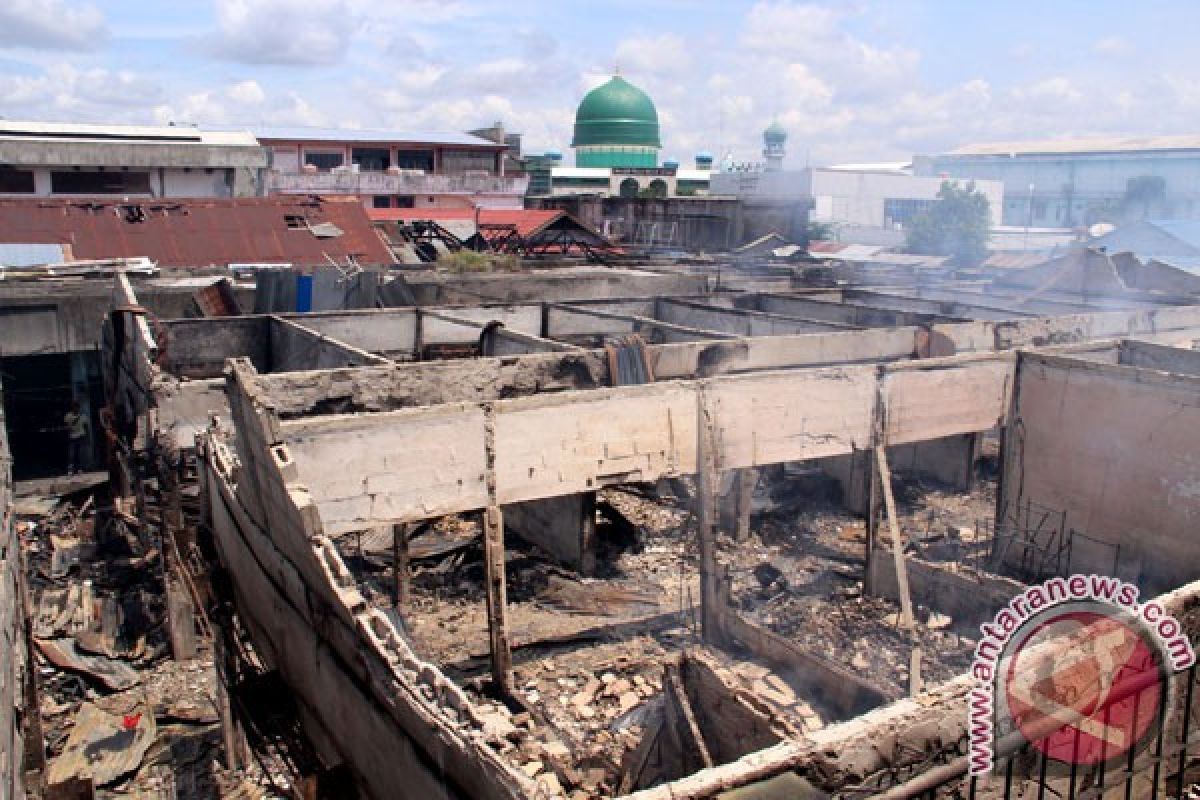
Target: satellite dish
point(1101, 229)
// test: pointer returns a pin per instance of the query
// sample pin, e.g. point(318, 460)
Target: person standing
point(76, 423)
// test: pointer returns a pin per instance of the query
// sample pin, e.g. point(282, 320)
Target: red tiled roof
point(197, 232)
point(822, 246)
point(528, 220)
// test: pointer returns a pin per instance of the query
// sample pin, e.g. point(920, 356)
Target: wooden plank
point(497, 599)
point(885, 480)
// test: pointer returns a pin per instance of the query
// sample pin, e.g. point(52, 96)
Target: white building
point(864, 203)
point(49, 159)
point(665, 181)
point(1076, 182)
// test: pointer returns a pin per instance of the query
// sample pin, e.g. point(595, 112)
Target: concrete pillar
point(707, 485)
point(564, 527)
point(736, 501)
point(853, 472)
point(949, 460)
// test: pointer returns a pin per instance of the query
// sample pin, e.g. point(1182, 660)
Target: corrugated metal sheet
point(198, 233)
point(104, 746)
point(270, 135)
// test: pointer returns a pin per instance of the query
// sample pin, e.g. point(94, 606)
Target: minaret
point(774, 138)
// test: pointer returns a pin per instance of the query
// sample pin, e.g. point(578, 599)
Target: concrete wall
point(1114, 447)
point(295, 348)
point(197, 348)
point(15, 659)
point(949, 460)
point(418, 463)
point(970, 598)
point(740, 323)
point(858, 198)
point(551, 285)
point(387, 331)
point(807, 308)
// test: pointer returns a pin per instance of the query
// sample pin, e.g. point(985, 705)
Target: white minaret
point(774, 138)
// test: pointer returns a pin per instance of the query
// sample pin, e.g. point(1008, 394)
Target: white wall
point(857, 198)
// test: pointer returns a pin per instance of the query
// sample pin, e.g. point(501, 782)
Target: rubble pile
point(116, 709)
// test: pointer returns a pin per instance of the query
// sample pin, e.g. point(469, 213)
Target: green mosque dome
point(616, 113)
point(775, 133)
point(616, 125)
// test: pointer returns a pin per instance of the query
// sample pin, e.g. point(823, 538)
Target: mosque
point(617, 146)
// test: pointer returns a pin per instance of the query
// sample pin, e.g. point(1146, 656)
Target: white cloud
point(804, 88)
point(51, 24)
point(63, 91)
point(666, 54)
point(1049, 92)
point(247, 93)
point(280, 32)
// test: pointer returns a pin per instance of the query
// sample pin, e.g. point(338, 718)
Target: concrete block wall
point(1114, 447)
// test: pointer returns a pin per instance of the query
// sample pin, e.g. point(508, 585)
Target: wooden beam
point(872, 523)
point(497, 598)
point(400, 571)
point(706, 517)
point(907, 620)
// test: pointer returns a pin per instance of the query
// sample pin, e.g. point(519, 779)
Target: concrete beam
point(369, 470)
point(738, 322)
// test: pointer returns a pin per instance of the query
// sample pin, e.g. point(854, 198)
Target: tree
point(956, 225)
point(816, 231)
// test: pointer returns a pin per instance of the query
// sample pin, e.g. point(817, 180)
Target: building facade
point(47, 159)
point(392, 169)
point(1076, 182)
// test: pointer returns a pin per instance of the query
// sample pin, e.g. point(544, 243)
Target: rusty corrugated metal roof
point(198, 232)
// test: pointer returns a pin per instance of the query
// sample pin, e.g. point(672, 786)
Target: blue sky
point(851, 81)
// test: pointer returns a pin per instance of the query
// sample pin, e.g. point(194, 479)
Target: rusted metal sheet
point(199, 232)
point(65, 654)
point(217, 300)
point(103, 746)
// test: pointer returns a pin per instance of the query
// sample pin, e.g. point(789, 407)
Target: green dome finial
point(775, 133)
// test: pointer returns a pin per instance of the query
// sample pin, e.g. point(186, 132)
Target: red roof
point(527, 220)
point(198, 232)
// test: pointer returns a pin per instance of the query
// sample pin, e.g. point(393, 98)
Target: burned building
point(647, 545)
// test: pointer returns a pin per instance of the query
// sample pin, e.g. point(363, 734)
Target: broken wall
point(197, 348)
point(968, 596)
point(15, 664)
point(1115, 448)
